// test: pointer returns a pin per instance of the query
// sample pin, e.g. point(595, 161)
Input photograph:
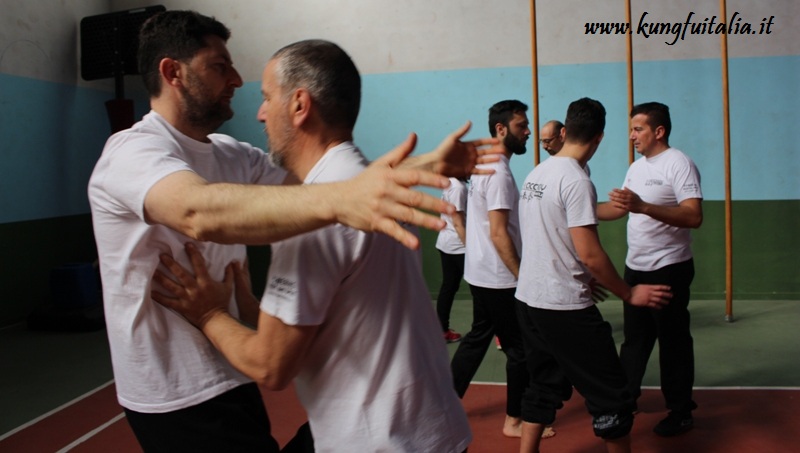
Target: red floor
point(730, 421)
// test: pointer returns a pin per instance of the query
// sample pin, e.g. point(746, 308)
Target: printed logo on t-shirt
point(691, 187)
point(283, 287)
point(532, 190)
point(654, 182)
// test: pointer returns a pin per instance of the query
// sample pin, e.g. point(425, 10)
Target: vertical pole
point(535, 82)
point(629, 48)
point(728, 205)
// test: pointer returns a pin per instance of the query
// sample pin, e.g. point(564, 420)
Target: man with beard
point(346, 314)
point(169, 180)
point(492, 264)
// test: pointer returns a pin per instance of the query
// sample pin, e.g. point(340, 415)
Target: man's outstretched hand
point(459, 159)
point(380, 198)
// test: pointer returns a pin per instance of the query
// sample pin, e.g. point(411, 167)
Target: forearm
point(238, 343)
point(238, 214)
point(607, 211)
point(677, 216)
point(459, 224)
point(507, 252)
point(603, 271)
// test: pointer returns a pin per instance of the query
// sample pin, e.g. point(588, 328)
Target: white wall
point(388, 36)
point(40, 39)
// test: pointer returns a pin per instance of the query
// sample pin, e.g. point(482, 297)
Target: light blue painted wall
point(764, 91)
point(50, 136)
point(52, 133)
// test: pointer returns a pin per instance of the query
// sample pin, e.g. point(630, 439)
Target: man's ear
point(171, 71)
point(300, 106)
point(499, 130)
point(659, 132)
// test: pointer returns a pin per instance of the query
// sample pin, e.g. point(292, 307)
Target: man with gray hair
point(346, 314)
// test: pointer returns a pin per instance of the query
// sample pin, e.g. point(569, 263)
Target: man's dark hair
point(586, 119)
point(173, 34)
point(557, 126)
point(657, 115)
point(502, 112)
point(329, 75)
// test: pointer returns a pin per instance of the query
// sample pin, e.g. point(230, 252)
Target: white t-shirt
point(482, 264)
point(161, 362)
point(448, 240)
point(666, 179)
point(377, 374)
point(556, 196)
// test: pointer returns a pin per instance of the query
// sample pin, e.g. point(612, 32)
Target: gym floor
point(747, 381)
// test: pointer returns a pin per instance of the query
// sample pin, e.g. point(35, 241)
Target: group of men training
point(345, 314)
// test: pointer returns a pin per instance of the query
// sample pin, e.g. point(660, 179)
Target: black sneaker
point(674, 424)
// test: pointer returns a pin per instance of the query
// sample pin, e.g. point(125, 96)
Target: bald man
point(552, 136)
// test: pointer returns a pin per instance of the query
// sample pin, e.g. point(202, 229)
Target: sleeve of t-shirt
point(500, 192)
point(580, 202)
point(261, 169)
point(306, 272)
point(686, 180)
point(135, 167)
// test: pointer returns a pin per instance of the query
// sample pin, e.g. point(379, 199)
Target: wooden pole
point(535, 82)
point(629, 48)
point(728, 205)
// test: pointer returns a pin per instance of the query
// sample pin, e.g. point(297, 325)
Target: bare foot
point(512, 427)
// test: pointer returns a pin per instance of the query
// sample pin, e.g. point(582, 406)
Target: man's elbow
point(695, 221)
point(201, 228)
point(499, 238)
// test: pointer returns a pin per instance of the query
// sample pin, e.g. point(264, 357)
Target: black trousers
point(235, 421)
point(493, 313)
point(574, 348)
point(452, 273)
point(670, 326)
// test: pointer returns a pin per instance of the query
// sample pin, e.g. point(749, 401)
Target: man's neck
point(580, 152)
point(308, 149)
point(657, 149)
point(173, 114)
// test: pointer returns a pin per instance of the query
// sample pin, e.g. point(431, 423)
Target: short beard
point(514, 145)
point(278, 150)
point(276, 159)
point(201, 111)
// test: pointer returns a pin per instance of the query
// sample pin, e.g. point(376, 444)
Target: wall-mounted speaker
point(109, 42)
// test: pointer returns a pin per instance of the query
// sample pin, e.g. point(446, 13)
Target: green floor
point(41, 371)
point(760, 348)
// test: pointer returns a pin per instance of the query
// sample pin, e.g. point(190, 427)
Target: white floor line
point(736, 387)
point(91, 433)
point(695, 388)
point(63, 406)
